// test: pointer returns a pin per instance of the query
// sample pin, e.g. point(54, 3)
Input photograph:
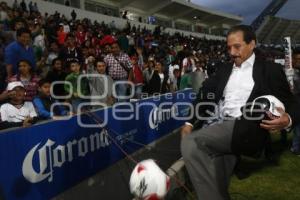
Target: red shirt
point(80, 37)
point(61, 36)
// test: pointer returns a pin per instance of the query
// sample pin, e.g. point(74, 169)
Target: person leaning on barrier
point(17, 112)
point(100, 83)
point(210, 153)
point(43, 102)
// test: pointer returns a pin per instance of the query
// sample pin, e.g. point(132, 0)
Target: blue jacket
point(43, 107)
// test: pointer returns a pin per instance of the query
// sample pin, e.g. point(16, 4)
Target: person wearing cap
point(17, 112)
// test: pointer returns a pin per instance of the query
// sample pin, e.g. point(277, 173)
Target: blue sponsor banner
point(42, 161)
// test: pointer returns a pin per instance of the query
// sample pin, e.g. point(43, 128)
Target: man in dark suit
point(210, 152)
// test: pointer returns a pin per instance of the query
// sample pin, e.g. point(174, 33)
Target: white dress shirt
point(238, 89)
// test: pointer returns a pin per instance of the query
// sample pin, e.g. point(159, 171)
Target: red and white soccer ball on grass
point(148, 181)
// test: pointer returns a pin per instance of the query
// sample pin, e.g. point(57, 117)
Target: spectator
point(15, 5)
point(197, 77)
point(159, 82)
point(174, 79)
point(148, 70)
point(57, 74)
point(186, 81)
point(23, 5)
point(164, 78)
point(61, 35)
point(28, 78)
point(76, 91)
point(172, 66)
point(43, 102)
point(3, 15)
point(30, 6)
point(119, 67)
point(100, 86)
point(80, 35)
point(19, 50)
point(147, 74)
point(188, 63)
point(137, 77)
point(71, 52)
point(53, 53)
point(35, 7)
point(112, 25)
point(67, 3)
point(124, 16)
point(123, 42)
point(73, 15)
point(17, 112)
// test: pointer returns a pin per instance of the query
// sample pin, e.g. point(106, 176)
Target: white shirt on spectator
point(10, 113)
point(238, 89)
point(3, 15)
point(39, 41)
point(185, 64)
point(171, 70)
point(66, 28)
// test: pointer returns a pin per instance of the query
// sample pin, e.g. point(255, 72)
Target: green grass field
point(267, 181)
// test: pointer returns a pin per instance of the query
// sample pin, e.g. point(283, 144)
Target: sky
point(250, 9)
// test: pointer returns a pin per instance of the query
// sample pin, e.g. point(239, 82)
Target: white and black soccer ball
point(267, 103)
point(148, 181)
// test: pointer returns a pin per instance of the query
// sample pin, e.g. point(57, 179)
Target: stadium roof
point(274, 29)
point(178, 10)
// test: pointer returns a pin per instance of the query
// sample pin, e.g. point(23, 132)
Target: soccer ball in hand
point(267, 104)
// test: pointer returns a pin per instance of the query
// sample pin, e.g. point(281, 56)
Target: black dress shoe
point(241, 174)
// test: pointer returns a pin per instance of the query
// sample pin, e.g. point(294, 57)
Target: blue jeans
point(296, 139)
point(121, 90)
point(138, 91)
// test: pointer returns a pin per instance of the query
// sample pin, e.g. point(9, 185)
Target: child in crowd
point(17, 112)
point(77, 91)
point(101, 85)
point(28, 78)
point(44, 101)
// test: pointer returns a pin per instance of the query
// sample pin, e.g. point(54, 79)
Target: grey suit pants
point(209, 160)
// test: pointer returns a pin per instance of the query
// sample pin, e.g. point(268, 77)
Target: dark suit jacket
point(269, 79)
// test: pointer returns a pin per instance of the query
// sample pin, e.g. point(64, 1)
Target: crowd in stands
point(79, 58)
